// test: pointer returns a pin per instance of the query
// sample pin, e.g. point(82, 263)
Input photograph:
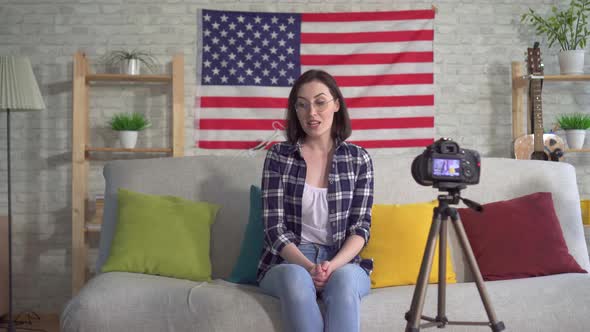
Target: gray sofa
point(130, 302)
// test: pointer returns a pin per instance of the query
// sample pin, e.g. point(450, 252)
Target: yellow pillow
point(398, 238)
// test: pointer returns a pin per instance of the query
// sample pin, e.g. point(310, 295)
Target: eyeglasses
point(318, 105)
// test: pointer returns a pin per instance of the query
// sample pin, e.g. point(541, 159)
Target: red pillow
point(518, 238)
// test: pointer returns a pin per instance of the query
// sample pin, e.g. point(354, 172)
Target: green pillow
point(162, 235)
point(246, 268)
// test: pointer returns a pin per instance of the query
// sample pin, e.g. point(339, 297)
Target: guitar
point(538, 145)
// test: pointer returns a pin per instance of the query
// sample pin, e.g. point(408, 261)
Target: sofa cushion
point(162, 235)
point(398, 238)
point(518, 238)
point(244, 272)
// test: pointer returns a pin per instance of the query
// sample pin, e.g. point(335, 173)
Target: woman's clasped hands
point(320, 273)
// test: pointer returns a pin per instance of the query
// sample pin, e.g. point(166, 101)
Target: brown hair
point(341, 128)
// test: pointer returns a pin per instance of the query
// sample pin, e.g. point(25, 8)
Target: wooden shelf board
point(148, 150)
point(128, 78)
point(577, 150)
point(567, 78)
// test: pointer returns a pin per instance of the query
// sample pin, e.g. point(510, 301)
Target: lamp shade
point(18, 87)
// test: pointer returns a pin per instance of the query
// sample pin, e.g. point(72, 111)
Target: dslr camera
point(444, 165)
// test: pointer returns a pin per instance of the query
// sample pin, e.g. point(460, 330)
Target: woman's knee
point(294, 280)
point(349, 280)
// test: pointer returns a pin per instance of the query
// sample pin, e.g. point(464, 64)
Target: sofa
point(122, 301)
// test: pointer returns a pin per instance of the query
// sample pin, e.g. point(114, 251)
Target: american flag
point(247, 62)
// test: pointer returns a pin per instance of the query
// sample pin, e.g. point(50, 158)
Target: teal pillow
point(162, 235)
point(244, 272)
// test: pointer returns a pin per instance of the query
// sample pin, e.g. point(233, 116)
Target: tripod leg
point(442, 271)
point(415, 314)
point(464, 242)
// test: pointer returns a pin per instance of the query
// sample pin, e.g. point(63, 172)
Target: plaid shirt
point(350, 198)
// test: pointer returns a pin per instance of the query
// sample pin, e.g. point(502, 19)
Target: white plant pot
point(128, 138)
point(575, 138)
point(571, 62)
point(131, 67)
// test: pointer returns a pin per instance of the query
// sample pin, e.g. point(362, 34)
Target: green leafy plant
point(118, 56)
point(569, 27)
point(574, 121)
point(129, 121)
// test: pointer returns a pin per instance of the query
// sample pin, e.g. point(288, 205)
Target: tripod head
point(453, 196)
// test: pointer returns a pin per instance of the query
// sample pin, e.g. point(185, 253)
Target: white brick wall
point(475, 42)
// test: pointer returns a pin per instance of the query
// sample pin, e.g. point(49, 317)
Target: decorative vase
point(575, 138)
point(131, 67)
point(128, 138)
point(571, 62)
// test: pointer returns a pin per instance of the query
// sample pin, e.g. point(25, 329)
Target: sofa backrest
point(226, 180)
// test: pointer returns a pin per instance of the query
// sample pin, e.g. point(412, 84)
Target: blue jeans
point(341, 295)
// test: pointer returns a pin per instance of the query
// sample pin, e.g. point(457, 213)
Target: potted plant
point(575, 126)
point(130, 61)
point(128, 125)
point(569, 28)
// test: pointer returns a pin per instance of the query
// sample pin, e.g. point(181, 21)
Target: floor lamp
point(18, 92)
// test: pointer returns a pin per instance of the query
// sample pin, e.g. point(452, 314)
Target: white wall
point(475, 42)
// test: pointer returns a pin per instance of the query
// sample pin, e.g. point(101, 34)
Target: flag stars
point(256, 49)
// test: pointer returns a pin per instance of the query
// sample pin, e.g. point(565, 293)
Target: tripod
point(439, 228)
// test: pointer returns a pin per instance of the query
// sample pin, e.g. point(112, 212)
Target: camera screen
point(446, 167)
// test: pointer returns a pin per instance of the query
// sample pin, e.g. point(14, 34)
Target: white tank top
point(315, 227)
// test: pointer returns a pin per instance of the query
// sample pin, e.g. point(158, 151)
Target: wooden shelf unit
point(519, 89)
point(82, 223)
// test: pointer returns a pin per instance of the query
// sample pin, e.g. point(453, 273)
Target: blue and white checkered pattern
point(350, 198)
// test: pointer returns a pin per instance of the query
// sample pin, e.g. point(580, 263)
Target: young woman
point(317, 193)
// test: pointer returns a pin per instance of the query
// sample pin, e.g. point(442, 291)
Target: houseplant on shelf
point(575, 126)
point(130, 61)
point(128, 125)
point(569, 28)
